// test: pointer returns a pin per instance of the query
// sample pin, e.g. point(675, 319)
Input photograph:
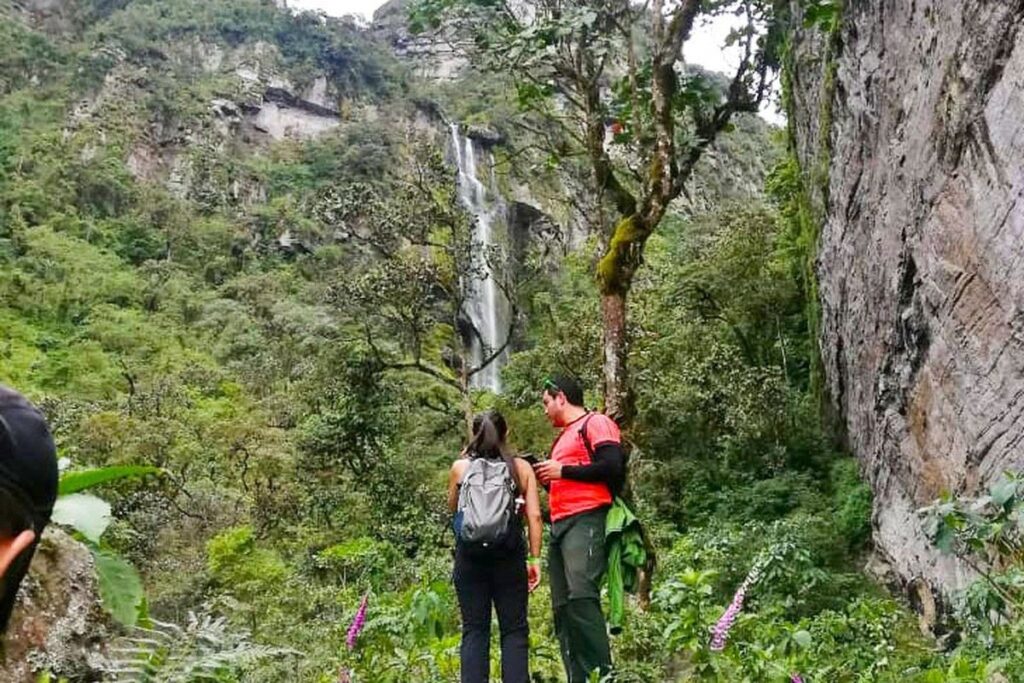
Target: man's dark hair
point(563, 384)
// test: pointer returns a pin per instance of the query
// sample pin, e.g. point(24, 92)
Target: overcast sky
point(339, 7)
point(704, 47)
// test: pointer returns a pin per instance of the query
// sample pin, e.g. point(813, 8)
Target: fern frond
point(205, 649)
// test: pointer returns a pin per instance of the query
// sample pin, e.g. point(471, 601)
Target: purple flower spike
point(721, 630)
point(357, 623)
point(795, 678)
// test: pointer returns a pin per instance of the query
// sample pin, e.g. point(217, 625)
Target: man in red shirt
point(580, 490)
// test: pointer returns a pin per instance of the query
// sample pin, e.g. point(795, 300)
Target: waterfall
point(486, 305)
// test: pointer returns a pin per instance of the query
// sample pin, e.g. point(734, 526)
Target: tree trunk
point(467, 396)
point(620, 407)
point(618, 400)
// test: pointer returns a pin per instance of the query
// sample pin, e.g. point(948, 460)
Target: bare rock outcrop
point(431, 54)
point(59, 624)
point(911, 137)
point(257, 105)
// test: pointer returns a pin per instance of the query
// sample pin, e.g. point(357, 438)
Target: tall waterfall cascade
point(487, 307)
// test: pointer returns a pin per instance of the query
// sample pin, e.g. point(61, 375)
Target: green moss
point(807, 193)
point(610, 274)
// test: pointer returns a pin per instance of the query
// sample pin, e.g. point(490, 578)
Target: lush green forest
point(302, 405)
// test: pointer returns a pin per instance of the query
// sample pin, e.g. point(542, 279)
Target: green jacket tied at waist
point(626, 557)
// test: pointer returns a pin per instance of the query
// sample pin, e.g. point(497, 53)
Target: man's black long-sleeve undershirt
point(607, 466)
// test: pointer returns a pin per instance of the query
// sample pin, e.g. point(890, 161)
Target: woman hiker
point(491, 491)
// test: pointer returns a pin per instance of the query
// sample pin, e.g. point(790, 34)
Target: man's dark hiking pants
point(479, 583)
point(576, 563)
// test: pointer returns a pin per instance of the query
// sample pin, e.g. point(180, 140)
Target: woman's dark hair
point(489, 431)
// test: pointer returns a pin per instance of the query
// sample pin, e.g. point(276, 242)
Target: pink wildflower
point(795, 678)
point(721, 630)
point(357, 623)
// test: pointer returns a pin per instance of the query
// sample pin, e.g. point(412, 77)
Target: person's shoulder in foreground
point(28, 490)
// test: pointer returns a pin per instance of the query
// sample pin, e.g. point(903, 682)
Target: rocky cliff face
point(256, 105)
point(430, 54)
point(59, 624)
point(911, 137)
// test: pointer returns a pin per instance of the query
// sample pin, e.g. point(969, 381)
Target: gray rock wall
point(921, 256)
point(58, 624)
point(430, 54)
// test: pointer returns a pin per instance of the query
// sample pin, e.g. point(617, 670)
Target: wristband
point(532, 561)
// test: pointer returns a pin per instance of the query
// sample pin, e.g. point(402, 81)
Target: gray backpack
point(485, 518)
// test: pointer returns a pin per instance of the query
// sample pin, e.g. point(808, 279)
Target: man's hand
point(548, 471)
point(10, 548)
point(532, 576)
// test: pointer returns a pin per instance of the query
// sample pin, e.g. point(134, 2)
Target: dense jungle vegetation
point(303, 405)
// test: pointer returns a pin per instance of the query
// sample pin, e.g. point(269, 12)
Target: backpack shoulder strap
point(586, 439)
point(513, 473)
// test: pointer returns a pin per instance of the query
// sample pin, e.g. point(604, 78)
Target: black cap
point(28, 457)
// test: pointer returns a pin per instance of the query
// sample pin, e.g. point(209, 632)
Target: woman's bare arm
point(454, 475)
point(534, 525)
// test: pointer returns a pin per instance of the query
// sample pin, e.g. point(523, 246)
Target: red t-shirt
point(568, 497)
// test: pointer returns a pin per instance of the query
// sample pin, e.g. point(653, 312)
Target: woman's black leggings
point(500, 581)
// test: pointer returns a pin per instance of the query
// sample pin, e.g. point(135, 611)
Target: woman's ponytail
point(489, 430)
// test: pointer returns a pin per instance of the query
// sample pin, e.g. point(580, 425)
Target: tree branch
point(415, 364)
point(604, 174)
point(420, 366)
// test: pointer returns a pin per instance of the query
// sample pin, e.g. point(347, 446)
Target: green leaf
point(802, 638)
point(823, 14)
point(73, 482)
point(944, 538)
point(83, 512)
point(120, 586)
point(1003, 490)
point(995, 667)
point(144, 619)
